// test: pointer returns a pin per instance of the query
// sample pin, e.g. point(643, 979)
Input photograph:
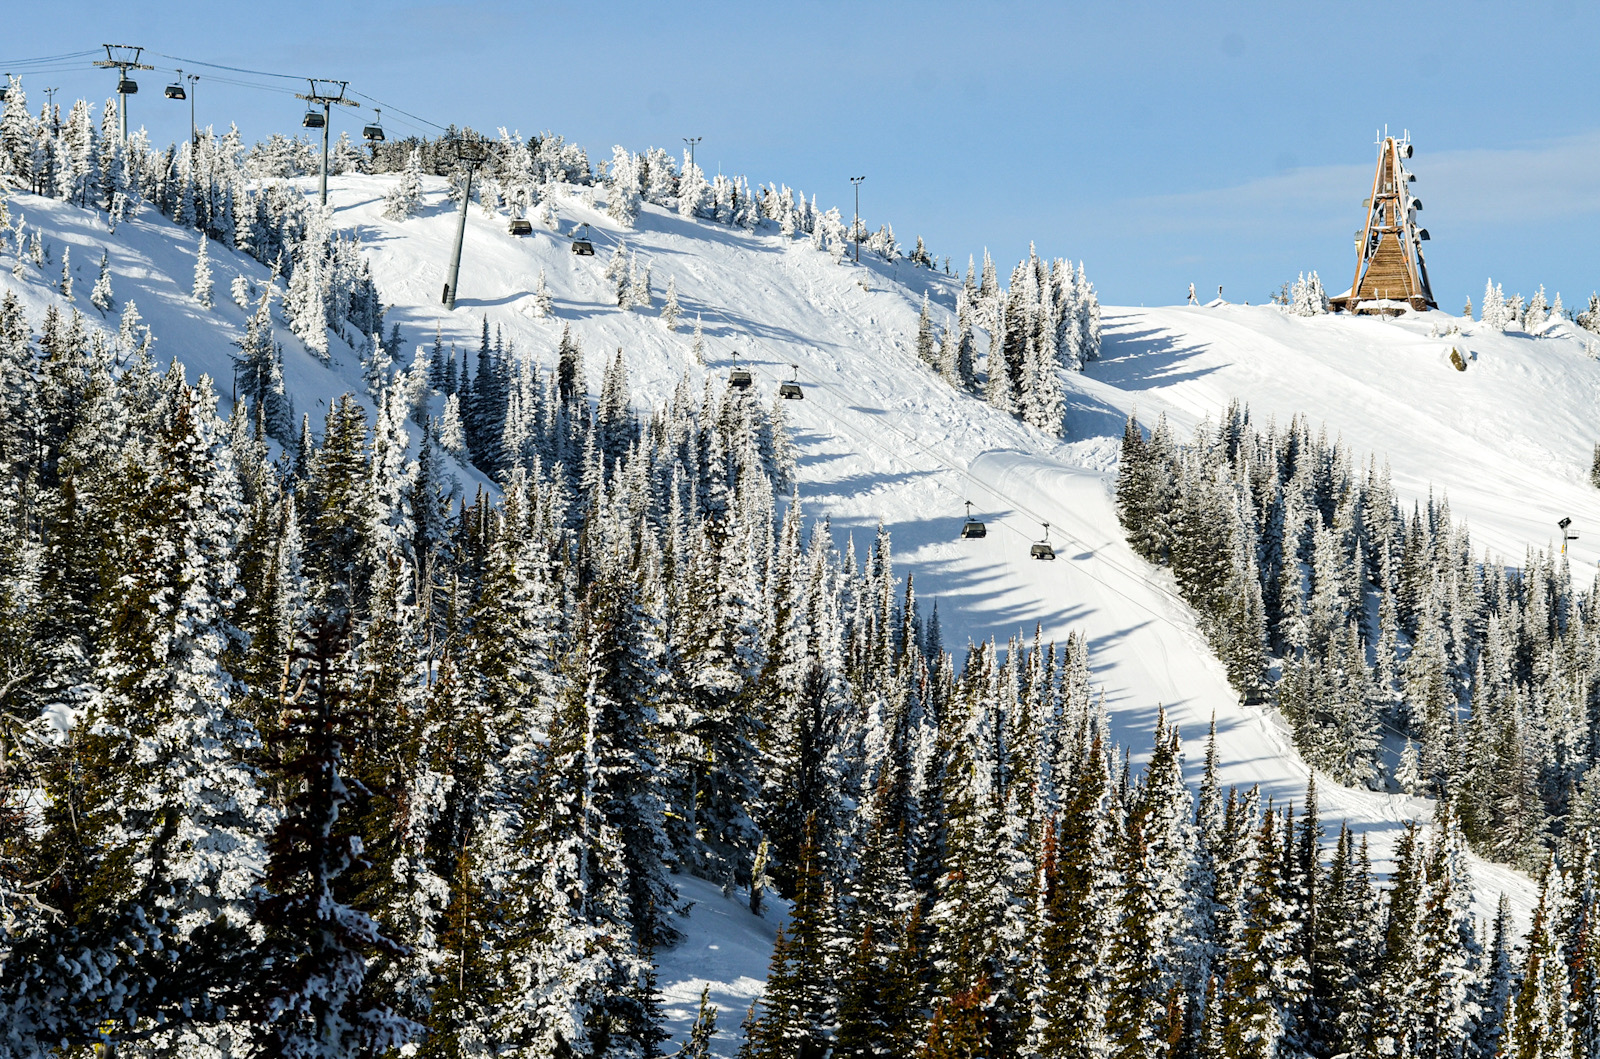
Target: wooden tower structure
point(1391, 275)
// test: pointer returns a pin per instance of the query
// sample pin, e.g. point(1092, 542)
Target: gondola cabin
point(790, 391)
point(739, 379)
point(313, 120)
point(127, 86)
point(176, 92)
point(973, 528)
point(521, 226)
point(1042, 549)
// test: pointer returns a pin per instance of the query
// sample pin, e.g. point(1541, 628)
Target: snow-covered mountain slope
point(881, 439)
point(152, 266)
point(884, 440)
point(726, 947)
point(1509, 440)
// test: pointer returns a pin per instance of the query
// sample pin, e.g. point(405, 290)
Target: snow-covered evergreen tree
point(623, 198)
point(669, 305)
point(452, 436)
point(202, 290)
point(693, 191)
point(404, 200)
point(101, 297)
point(925, 341)
point(543, 302)
point(1538, 313)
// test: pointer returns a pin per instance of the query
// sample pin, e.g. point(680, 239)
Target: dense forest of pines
point(1319, 592)
point(303, 757)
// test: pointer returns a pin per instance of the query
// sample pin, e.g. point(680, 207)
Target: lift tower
point(313, 120)
point(122, 58)
point(471, 152)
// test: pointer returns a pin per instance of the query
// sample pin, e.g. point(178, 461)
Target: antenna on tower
point(1391, 272)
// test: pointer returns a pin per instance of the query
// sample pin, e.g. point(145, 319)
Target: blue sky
point(1162, 144)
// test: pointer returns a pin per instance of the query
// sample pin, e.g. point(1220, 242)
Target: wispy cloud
point(1461, 190)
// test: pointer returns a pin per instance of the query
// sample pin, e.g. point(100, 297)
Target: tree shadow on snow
point(1144, 360)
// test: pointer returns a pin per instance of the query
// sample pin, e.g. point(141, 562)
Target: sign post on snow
point(1565, 536)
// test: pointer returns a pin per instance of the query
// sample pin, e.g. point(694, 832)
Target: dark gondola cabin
point(1042, 549)
point(127, 86)
point(313, 120)
point(176, 92)
point(973, 528)
point(580, 241)
point(521, 226)
point(791, 391)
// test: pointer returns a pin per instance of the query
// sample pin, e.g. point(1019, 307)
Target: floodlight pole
point(855, 225)
point(472, 153)
point(691, 141)
point(194, 129)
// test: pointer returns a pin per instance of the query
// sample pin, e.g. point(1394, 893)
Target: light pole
point(855, 225)
point(471, 153)
point(691, 141)
point(194, 130)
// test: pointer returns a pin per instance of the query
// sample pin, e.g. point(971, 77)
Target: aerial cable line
point(58, 69)
point(293, 77)
point(49, 58)
point(214, 79)
point(61, 64)
point(235, 69)
point(397, 110)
